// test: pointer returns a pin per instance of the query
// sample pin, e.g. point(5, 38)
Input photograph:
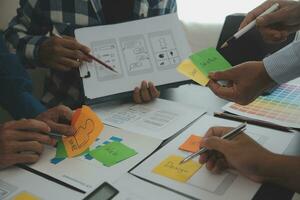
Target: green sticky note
point(112, 153)
point(60, 150)
point(210, 60)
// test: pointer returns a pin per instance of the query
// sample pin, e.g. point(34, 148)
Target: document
point(147, 49)
point(159, 119)
point(113, 154)
point(193, 179)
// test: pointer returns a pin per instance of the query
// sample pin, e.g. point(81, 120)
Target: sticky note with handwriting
point(210, 60)
point(192, 144)
point(172, 168)
point(112, 153)
point(87, 128)
point(190, 70)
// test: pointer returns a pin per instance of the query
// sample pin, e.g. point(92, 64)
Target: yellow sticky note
point(190, 70)
point(25, 196)
point(171, 168)
point(192, 144)
point(87, 128)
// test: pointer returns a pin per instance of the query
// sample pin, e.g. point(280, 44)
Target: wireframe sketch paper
point(192, 179)
point(147, 49)
point(114, 152)
point(159, 119)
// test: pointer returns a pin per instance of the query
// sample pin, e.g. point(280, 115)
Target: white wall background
point(7, 11)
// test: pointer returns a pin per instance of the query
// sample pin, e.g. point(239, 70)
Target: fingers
point(216, 143)
point(146, 93)
point(31, 146)
point(74, 45)
point(276, 17)
point(222, 92)
point(30, 136)
point(12, 159)
point(61, 128)
point(252, 15)
point(28, 124)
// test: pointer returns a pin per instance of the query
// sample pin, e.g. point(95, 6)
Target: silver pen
point(230, 135)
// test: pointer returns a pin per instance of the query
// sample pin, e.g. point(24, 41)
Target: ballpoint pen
point(91, 56)
point(249, 26)
point(230, 135)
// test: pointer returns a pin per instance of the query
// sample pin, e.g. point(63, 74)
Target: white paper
point(147, 49)
point(203, 184)
point(15, 180)
point(159, 119)
point(88, 174)
point(133, 188)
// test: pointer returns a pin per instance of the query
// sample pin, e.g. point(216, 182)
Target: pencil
point(252, 121)
point(251, 25)
point(92, 57)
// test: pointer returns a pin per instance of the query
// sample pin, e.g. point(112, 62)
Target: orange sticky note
point(192, 144)
point(87, 128)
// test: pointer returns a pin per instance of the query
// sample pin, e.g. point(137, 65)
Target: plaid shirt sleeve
point(25, 32)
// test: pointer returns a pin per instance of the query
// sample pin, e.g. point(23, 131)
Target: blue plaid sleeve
point(26, 32)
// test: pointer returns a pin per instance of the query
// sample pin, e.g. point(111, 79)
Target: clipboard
point(137, 52)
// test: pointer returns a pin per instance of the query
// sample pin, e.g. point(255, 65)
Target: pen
point(252, 121)
point(230, 135)
point(249, 26)
point(91, 56)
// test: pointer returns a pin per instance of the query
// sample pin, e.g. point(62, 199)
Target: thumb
point(227, 75)
point(215, 143)
point(272, 18)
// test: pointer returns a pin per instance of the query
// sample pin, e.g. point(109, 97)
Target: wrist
point(269, 167)
point(266, 81)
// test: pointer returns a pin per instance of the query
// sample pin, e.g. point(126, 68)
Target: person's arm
point(249, 159)
point(284, 65)
point(27, 31)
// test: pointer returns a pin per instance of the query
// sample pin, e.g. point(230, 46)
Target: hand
point(146, 93)
point(22, 142)
point(242, 154)
point(63, 54)
point(245, 82)
point(53, 118)
point(276, 26)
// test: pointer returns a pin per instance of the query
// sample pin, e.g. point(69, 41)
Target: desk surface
point(203, 98)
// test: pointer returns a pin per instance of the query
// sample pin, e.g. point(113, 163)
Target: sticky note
point(210, 60)
point(192, 144)
point(171, 168)
point(87, 128)
point(60, 150)
point(112, 153)
point(25, 196)
point(190, 70)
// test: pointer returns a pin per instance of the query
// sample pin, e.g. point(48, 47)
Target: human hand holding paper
point(202, 63)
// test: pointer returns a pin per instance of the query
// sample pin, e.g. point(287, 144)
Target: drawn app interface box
point(148, 49)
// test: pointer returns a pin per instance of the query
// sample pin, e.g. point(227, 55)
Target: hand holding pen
point(242, 154)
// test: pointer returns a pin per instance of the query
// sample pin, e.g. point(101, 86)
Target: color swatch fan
point(281, 107)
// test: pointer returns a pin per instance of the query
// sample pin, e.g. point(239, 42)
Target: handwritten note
point(210, 60)
point(87, 128)
point(112, 153)
point(188, 69)
point(192, 144)
point(171, 168)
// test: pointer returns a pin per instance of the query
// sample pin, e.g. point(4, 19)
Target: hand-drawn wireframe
point(107, 51)
point(164, 50)
point(81, 136)
point(136, 55)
